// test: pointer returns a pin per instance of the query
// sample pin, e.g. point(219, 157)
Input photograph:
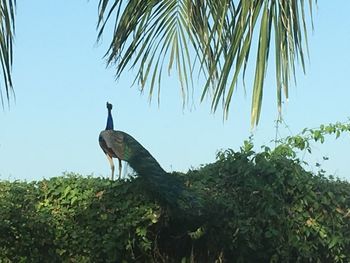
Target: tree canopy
point(213, 39)
point(7, 30)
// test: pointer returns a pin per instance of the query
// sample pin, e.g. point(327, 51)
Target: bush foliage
point(256, 207)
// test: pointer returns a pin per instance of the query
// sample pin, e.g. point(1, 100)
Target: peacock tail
point(165, 187)
point(123, 146)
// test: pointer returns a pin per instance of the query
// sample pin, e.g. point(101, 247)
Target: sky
point(62, 84)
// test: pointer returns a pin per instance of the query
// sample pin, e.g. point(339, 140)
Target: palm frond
point(7, 30)
point(213, 37)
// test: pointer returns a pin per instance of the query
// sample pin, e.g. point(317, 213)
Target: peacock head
point(109, 106)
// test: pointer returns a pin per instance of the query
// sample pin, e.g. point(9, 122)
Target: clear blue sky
point(62, 85)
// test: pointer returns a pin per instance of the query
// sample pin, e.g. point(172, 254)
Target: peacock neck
point(109, 121)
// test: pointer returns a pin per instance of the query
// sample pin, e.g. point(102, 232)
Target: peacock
point(118, 144)
point(107, 145)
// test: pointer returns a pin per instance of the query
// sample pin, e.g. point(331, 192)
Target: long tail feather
point(166, 187)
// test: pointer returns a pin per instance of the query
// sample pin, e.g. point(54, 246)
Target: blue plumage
point(109, 118)
point(106, 145)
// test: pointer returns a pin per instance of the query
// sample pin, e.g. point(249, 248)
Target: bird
point(124, 147)
point(165, 187)
point(107, 144)
point(120, 145)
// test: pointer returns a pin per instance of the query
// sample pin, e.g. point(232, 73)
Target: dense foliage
point(213, 39)
point(256, 207)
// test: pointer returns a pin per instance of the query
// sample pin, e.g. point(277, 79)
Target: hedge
point(255, 207)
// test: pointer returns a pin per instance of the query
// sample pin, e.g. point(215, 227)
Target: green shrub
point(256, 207)
point(267, 208)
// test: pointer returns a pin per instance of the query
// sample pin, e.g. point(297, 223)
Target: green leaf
point(7, 31)
point(210, 38)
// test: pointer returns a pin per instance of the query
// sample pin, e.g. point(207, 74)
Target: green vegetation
point(255, 207)
point(216, 40)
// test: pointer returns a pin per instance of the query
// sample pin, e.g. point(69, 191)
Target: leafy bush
point(255, 207)
point(267, 208)
point(82, 220)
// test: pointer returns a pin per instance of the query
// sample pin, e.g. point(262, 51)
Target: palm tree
point(212, 38)
point(7, 30)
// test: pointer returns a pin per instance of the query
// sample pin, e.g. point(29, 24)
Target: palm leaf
point(213, 38)
point(7, 30)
